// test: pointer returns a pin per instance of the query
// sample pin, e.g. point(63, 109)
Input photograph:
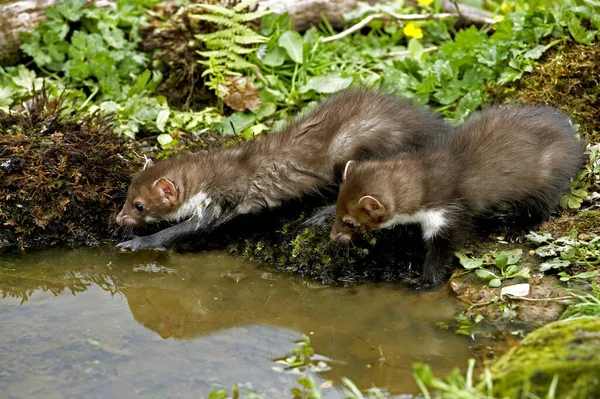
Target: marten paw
point(140, 243)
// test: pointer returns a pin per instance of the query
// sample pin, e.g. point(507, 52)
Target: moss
point(569, 78)
point(59, 175)
point(567, 349)
point(583, 222)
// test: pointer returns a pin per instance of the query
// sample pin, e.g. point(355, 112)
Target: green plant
point(89, 47)
point(588, 305)
point(585, 180)
point(227, 47)
point(567, 251)
point(504, 261)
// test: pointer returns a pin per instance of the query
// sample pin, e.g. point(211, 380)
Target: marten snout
point(342, 237)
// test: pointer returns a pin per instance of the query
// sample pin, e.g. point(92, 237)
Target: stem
point(87, 100)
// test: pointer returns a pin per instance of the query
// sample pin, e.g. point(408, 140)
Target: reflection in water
point(210, 320)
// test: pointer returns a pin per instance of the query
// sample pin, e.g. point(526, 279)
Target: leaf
point(274, 56)
point(535, 52)
point(495, 282)
point(71, 9)
point(509, 75)
point(236, 123)
point(161, 120)
point(77, 69)
point(326, 84)
point(501, 260)
point(293, 43)
point(467, 262)
point(579, 33)
point(539, 238)
point(510, 271)
point(545, 251)
point(584, 275)
point(415, 48)
point(555, 263)
point(164, 139)
point(514, 255)
point(483, 273)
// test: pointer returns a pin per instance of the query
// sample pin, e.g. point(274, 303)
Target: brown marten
point(204, 190)
point(521, 156)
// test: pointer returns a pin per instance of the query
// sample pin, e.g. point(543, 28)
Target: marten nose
point(340, 237)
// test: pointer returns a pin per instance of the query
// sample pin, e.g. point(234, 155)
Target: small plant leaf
point(495, 282)
point(293, 44)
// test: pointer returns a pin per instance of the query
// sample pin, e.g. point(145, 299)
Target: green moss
point(568, 349)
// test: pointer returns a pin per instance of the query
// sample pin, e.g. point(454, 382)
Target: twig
point(406, 52)
point(401, 17)
point(521, 298)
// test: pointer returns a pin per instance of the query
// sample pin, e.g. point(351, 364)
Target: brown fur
point(304, 157)
point(523, 156)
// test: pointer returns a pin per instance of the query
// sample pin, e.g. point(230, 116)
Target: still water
point(97, 323)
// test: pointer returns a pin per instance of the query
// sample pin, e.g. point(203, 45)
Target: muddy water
point(97, 323)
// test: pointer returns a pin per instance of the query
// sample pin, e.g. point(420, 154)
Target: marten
point(518, 156)
point(204, 190)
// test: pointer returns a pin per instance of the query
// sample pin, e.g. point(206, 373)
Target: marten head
point(151, 197)
point(360, 206)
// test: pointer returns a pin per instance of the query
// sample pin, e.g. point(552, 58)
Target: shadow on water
point(96, 323)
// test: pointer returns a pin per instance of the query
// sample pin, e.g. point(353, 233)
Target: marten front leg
point(440, 255)
point(163, 239)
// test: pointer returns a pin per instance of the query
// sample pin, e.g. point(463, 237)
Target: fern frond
point(229, 45)
point(240, 36)
point(218, 9)
point(251, 16)
point(242, 5)
point(227, 59)
point(216, 19)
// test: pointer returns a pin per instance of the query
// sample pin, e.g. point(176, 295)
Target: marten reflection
point(373, 333)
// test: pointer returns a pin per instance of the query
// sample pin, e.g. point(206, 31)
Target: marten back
point(354, 124)
point(516, 154)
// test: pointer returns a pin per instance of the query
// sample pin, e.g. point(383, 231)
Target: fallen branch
point(400, 17)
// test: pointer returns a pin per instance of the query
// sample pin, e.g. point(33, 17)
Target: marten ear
point(166, 189)
point(373, 207)
point(148, 163)
point(348, 169)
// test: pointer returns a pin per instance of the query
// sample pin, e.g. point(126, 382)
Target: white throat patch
point(431, 221)
point(193, 207)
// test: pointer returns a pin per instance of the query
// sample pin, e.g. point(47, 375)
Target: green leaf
point(509, 75)
point(495, 282)
point(292, 42)
point(161, 120)
point(579, 33)
point(326, 84)
point(539, 238)
point(467, 262)
point(513, 255)
point(545, 251)
point(274, 56)
point(71, 9)
point(236, 123)
point(5, 98)
point(535, 52)
point(584, 275)
point(164, 139)
point(501, 260)
point(415, 48)
point(77, 69)
point(555, 263)
point(486, 274)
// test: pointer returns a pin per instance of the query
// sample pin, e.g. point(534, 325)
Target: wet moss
point(282, 241)
point(568, 350)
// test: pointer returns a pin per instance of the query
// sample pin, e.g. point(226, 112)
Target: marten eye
point(350, 224)
point(139, 206)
